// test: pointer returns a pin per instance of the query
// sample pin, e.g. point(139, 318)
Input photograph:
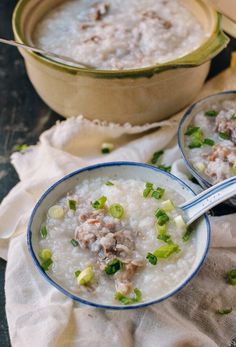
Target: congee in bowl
point(210, 137)
point(118, 34)
point(113, 236)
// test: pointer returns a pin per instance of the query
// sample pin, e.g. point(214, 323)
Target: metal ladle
point(66, 59)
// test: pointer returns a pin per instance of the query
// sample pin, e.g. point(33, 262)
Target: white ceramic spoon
point(64, 58)
point(209, 198)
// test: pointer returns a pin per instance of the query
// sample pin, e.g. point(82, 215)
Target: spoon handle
point(46, 53)
point(209, 198)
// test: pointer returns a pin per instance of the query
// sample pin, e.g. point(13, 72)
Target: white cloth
point(40, 316)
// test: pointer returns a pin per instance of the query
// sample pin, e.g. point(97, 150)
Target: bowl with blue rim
point(114, 171)
point(206, 139)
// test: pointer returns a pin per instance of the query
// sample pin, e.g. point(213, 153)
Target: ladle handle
point(208, 199)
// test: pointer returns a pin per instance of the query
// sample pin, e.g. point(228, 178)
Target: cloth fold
point(40, 314)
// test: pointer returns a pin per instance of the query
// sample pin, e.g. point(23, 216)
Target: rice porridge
point(117, 241)
point(211, 141)
point(119, 34)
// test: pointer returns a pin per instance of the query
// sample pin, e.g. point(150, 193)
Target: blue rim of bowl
point(90, 303)
point(187, 114)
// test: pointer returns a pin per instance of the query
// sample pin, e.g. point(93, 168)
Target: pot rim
point(206, 51)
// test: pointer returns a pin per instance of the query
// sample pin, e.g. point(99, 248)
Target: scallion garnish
point(211, 113)
point(223, 311)
point(109, 183)
point(148, 189)
point(191, 131)
point(164, 237)
point(22, 147)
point(129, 300)
point(208, 142)
point(231, 276)
point(162, 217)
point(195, 144)
point(156, 156)
point(46, 264)
point(72, 205)
point(158, 193)
point(77, 273)
point(187, 234)
point(166, 251)
point(113, 266)
point(107, 148)
point(233, 115)
point(43, 232)
point(151, 258)
point(86, 276)
point(224, 136)
point(164, 168)
point(162, 233)
point(74, 242)
point(45, 254)
point(116, 211)
point(100, 203)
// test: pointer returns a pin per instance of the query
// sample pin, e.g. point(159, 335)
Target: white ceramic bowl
point(137, 96)
point(187, 119)
point(125, 170)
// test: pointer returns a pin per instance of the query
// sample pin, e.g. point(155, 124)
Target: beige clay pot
point(137, 96)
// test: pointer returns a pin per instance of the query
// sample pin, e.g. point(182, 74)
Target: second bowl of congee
point(129, 43)
point(113, 236)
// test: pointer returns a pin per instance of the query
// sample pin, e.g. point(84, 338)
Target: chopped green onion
point(211, 113)
point(86, 276)
point(113, 266)
point(22, 147)
point(72, 205)
point(167, 205)
point(107, 148)
point(199, 166)
point(74, 242)
point(116, 211)
point(233, 115)
point(234, 168)
point(156, 156)
point(109, 183)
point(158, 193)
point(56, 212)
point(46, 264)
point(232, 277)
point(224, 136)
point(100, 203)
point(164, 168)
point(195, 144)
point(77, 273)
point(164, 237)
point(129, 300)
point(162, 217)
point(166, 251)
point(151, 258)
point(191, 131)
point(223, 311)
point(208, 142)
point(45, 254)
point(43, 232)
point(187, 234)
point(148, 189)
point(179, 221)
point(162, 233)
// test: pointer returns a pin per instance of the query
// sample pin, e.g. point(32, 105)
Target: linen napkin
point(40, 316)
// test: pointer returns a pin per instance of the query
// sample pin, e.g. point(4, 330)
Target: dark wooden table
point(24, 116)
